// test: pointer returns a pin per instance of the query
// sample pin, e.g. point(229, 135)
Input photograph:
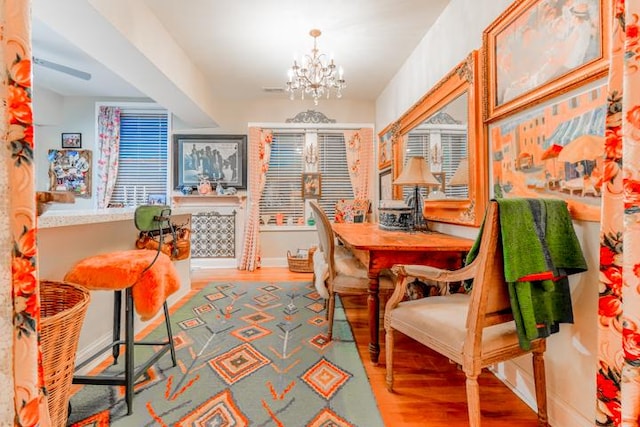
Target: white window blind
point(417, 145)
point(334, 171)
point(283, 188)
point(454, 149)
point(143, 155)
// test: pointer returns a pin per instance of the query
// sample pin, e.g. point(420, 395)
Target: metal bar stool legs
point(131, 373)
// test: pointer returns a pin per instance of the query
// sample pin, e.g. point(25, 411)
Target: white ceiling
point(242, 47)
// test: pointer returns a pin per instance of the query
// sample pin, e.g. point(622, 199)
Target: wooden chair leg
point(388, 344)
point(332, 306)
point(473, 399)
point(541, 386)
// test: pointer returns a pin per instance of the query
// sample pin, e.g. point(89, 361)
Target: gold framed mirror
point(445, 127)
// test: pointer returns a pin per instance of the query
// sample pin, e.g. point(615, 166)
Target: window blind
point(143, 156)
point(417, 145)
point(334, 171)
point(283, 187)
point(454, 149)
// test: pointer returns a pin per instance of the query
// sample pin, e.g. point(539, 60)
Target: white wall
point(55, 114)
point(571, 354)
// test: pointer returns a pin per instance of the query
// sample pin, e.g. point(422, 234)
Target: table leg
point(373, 304)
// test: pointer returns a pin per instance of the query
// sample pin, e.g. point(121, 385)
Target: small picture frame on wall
point(71, 140)
point(385, 184)
point(311, 185)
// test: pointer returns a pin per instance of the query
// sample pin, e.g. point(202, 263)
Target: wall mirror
point(445, 127)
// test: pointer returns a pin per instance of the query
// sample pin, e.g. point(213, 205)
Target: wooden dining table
point(379, 249)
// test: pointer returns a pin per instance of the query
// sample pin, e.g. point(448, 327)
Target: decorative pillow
point(351, 210)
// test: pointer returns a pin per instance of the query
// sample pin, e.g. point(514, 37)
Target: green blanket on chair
point(540, 250)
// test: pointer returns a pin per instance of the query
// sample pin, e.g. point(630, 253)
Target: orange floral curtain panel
point(359, 144)
point(618, 371)
point(30, 406)
point(259, 155)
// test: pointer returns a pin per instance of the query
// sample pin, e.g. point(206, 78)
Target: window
point(283, 187)
point(334, 170)
point(143, 158)
point(282, 191)
point(453, 147)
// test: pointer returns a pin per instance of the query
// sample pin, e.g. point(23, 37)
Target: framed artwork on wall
point(554, 150)
point(70, 170)
point(386, 185)
point(72, 140)
point(218, 158)
point(311, 185)
point(385, 146)
point(537, 48)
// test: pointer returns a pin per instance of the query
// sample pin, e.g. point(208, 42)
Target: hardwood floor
point(429, 390)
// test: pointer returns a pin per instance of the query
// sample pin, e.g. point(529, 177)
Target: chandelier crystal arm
point(315, 75)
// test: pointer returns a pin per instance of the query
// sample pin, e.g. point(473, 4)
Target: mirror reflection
point(442, 139)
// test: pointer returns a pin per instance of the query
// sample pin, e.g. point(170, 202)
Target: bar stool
point(147, 278)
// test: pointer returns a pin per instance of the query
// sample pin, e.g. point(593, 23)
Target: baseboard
point(85, 353)
point(200, 263)
point(559, 411)
point(275, 262)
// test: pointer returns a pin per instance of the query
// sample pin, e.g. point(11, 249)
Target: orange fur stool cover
point(122, 269)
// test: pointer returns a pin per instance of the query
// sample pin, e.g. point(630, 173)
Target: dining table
point(380, 249)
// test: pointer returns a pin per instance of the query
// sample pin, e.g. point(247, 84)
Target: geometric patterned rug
point(249, 354)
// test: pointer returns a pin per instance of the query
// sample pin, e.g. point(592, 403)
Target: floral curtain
point(618, 374)
point(359, 144)
point(108, 149)
point(26, 385)
point(259, 155)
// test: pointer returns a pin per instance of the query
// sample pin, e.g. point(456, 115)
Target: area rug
point(249, 354)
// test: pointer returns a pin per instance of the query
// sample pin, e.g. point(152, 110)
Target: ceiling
point(242, 49)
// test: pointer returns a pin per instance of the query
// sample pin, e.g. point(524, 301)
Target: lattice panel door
point(213, 235)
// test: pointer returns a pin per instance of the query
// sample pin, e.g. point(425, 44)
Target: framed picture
point(70, 170)
point(311, 185)
point(538, 48)
point(385, 144)
point(385, 184)
point(219, 158)
point(71, 140)
point(554, 150)
point(157, 199)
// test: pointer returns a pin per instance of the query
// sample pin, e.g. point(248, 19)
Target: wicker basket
point(301, 265)
point(62, 310)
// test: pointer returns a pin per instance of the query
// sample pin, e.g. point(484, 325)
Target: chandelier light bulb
point(316, 75)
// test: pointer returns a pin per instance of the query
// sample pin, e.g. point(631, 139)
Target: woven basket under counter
point(301, 265)
point(62, 309)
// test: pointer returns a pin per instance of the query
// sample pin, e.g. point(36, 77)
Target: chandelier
point(315, 75)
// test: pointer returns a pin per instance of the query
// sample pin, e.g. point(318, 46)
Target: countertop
point(69, 217)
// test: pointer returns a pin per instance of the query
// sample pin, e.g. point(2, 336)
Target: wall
point(571, 354)
point(56, 114)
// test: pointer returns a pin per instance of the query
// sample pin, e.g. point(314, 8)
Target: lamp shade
point(461, 175)
point(416, 172)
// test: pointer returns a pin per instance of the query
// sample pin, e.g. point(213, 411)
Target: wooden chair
point(344, 274)
point(474, 330)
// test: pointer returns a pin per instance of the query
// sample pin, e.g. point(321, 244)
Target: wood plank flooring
point(429, 390)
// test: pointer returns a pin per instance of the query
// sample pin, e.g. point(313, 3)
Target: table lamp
point(461, 175)
point(417, 173)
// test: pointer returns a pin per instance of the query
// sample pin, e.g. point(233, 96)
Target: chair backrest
point(490, 303)
point(154, 222)
point(325, 235)
point(352, 210)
